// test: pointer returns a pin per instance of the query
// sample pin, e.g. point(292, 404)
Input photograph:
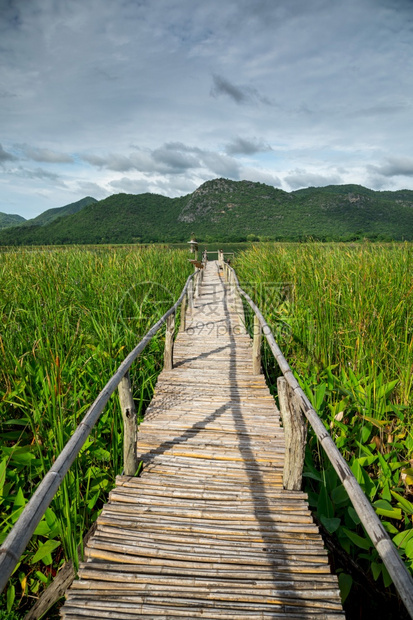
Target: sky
point(99, 97)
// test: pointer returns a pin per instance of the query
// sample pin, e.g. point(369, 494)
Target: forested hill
point(224, 210)
point(9, 219)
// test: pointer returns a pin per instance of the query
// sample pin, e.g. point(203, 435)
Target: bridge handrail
point(378, 535)
point(20, 535)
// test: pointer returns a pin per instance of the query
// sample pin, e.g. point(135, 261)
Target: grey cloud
point(88, 188)
point(171, 158)
point(175, 159)
point(5, 156)
point(39, 173)
point(45, 155)
point(221, 165)
point(394, 166)
point(222, 86)
point(301, 178)
point(118, 163)
point(239, 94)
point(243, 146)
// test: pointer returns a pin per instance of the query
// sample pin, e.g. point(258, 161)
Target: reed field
point(68, 319)
point(343, 317)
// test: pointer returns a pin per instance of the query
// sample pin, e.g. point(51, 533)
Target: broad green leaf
point(310, 474)
point(376, 570)
point(363, 543)
point(42, 577)
point(385, 389)
point(385, 509)
point(365, 449)
point(405, 504)
point(387, 580)
point(11, 594)
point(365, 461)
point(401, 539)
point(331, 524)
point(365, 433)
point(353, 515)
point(409, 549)
point(44, 550)
point(42, 529)
point(324, 505)
point(345, 582)
point(357, 471)
point(339, 495)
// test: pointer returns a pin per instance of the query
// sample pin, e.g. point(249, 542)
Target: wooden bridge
point(207, 529)
point(212, 528)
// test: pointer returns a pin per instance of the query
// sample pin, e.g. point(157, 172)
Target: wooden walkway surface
point(207, 530)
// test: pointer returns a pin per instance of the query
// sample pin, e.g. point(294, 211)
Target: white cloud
point(326, 85)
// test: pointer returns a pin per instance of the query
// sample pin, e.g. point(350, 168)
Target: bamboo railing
point(20, 535)
point(298, 400)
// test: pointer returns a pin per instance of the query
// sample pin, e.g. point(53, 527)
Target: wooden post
point(295, 433)
point(197, 282)
point(130, 459)
point(182, 326)
point(191, 296)
point(169, 342)
point(256, 347)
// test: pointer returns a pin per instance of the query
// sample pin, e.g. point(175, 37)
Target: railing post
point(197, 282)
point(191, 296)
point(169, 342)
point(130, 459)
point(295, 434)
point(256, 347)
point(182, 326)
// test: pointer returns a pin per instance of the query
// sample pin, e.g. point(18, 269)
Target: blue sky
point(102, 97)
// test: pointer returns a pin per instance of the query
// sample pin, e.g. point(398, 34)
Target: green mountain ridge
point(52, 214)
point(223, 210)
point(7, 220)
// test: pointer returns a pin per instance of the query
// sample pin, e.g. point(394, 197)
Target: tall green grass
point(68, 319)
point(350, 306)
point(343, 317)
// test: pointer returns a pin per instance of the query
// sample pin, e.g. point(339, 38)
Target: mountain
point(52, 214)
point(7, 220)
point(223, 210)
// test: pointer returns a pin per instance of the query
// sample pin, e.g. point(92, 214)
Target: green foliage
point(233, 211)
point(342, 316)
point(52, 214)
point(68, 319)
point(8, 220)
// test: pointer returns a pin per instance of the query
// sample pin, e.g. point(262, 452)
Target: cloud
point(260, 176)
point(40, 174)
point(243, 146)
point(113, 161)
point(88, 188)
point(222, 86)
point(301, 178)
point(176, 160)
point(131, 186)
point(394, 166)
point(5, 156)
point(239, 94)
point(45, 155)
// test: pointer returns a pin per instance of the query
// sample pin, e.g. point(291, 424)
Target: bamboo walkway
point(207, 530)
